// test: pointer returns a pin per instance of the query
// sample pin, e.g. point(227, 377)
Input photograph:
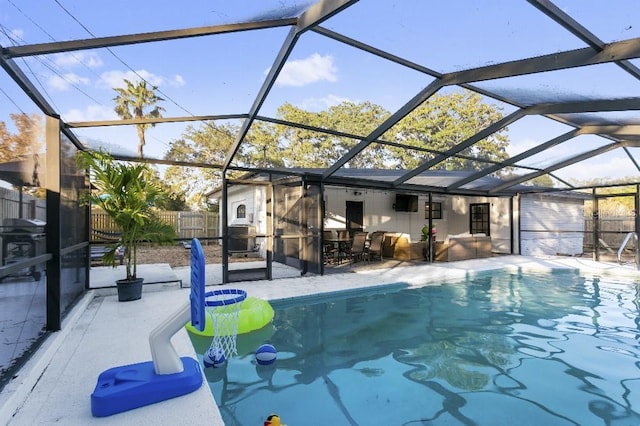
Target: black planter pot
point(129, 289)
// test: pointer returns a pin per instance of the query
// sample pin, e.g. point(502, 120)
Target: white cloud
point(301, 72)
point(115, 79)
point(12, 37)
point(64, 81)
point(613, 167)
point(91, 113)
point(177, 81)
point(516, 147)
point(320, 104)
point(76, 59)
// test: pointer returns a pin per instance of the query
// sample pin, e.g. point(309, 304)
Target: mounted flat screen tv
point(406, 203)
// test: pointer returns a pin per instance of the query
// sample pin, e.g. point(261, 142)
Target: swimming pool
point(500, 348)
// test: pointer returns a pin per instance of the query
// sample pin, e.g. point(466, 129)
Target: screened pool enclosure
point(296, 97)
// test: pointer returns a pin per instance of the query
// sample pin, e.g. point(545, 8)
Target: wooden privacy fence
point(188, 225)
point(29, 207)
point(613, 229)
point(13, 205)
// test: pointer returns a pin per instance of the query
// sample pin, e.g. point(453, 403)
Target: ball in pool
point(266, 354)
point(213, 357)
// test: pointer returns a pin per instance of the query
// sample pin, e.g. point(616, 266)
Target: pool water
point(499, 349)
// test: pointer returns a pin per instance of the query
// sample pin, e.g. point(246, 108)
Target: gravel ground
point(179, 256)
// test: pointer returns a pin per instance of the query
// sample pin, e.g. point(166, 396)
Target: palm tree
point(128, 193)
point(134, 101)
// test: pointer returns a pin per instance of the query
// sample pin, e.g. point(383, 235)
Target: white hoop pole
point(165, 358)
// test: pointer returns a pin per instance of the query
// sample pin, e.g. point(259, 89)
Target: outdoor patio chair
point(356, 251)
point(374, 250)
point(331, 248)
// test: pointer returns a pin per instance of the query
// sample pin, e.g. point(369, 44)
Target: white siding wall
point(551, 226)
point(236, 198)
point(458, 220)
point(260, 217)
point(260, 209)
point(378, 211)
point(380, 216)
point(254, 199)
point(542, 217)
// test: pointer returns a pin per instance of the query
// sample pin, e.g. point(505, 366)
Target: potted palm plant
point(127, 192)
point(426, 235)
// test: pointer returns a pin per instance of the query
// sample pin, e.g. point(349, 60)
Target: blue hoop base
point(131, 386)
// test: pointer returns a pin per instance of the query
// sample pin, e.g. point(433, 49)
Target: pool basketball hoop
point(223, 307)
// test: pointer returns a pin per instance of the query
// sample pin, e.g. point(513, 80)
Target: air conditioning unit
point(242, 238)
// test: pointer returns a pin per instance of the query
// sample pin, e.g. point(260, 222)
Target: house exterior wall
point(254, 199)
point(458, 220)
point(379, 214)
point(551, 225)
point(234, 200)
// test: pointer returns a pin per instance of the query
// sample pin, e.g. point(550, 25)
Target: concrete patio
point(55, 385)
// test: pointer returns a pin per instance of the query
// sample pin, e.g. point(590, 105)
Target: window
point(241, 212)
point(479, 218)
point(436, 210)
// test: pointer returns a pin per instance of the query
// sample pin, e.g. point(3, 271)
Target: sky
point(222, 74)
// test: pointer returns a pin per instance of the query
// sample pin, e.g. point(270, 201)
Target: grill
point(23, 239)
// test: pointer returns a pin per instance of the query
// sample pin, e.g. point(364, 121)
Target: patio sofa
point(462, 247)
point(397, 245)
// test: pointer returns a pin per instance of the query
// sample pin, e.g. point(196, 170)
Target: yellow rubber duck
point(273, 420)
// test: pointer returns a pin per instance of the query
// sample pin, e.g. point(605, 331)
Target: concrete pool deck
point(55, 386)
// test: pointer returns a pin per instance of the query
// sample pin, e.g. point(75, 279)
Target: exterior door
point(354, 216)
point(298, 221)
point(288, 224)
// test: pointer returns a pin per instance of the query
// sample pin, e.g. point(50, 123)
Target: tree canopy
point(207, 144)
point(24, 146)
point(443, 122)
point(438, 125)
point(307, 148)
point(28, 140)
